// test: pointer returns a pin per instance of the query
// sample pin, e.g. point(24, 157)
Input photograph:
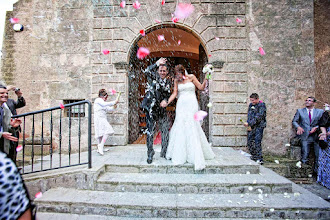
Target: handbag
point(323, 144)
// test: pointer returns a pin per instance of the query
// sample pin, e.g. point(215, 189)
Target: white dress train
point(187, 141)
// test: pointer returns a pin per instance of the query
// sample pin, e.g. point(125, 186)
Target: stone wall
point(59, 57)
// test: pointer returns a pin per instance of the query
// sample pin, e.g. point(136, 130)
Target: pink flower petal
point(137, 5)
point(260, 101)
point(123, 4)
point(163, 2)
point(113, 91)
point(238, 20)
point(105, 52)
point(158, 21)
point(217, 38)
point(62, 106)
point(210, 55)
point(175, 19)
point(179, 42)
point(38, 195)
point(19, 148)
point(261, 51)
point(142, 33)
point(142, 53)
point(200, 115)
point(183, 10)
point(14, 20)
point(161, 37)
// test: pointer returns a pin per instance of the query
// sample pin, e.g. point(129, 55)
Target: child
point(102, 127)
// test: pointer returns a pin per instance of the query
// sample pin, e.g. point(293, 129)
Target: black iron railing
point(58, 129)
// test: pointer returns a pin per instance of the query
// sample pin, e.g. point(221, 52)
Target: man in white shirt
point(306, 122)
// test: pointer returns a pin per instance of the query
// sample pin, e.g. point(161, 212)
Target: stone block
point(217, 86)
point(214, 190)
point(223, 119)
point(217, 108)
point(227, 44)
point(164, 213)
point(217, 130)
point(124, 34)
point(235, 87)
point(234, 131)
point(235, 8)
point(106, 23)
point(98, 58)
point(235, 109)
point(223, 97)
point(127, 22)
point(204, 22)
point(102, 35)
point(102, 12)
point(223, 141)
point(98, 210)
point(187, 189)
point(116, 46)
point(138, 213)
point(236, 56)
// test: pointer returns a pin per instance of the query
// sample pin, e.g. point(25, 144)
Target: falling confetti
point(250, 188)
point(38, 195)
point(158, 21)
point(161, 38)
point(229, 201)
point(62, 106)
point(260, 190)
point(276, 161)
point(261, 51)
point(123, 4)
point(287, 145)
point(137, 5)
point(310, 175)
point(272, 210)
point(142, 53)
point(142, 33)
point(298, 164)
point(238, 20)
point(175, 19)
point(296, 194)
point(209, 105)
point(183, 10)
point(217, 38)
point(113, 91)
point(179, 42)
point(163, 2)
point(200, 115)
point(248, 172)
point(105, 52)
point(254, 181)
point(19, 148)
point(14, 20)
point(210, 55)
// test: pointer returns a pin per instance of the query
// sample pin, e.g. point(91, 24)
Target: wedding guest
point(257, 122)
point(14, 198)
point(13, 105)
point(102, 127)
point(323, 175)
point(306, 122)
point(7, 126)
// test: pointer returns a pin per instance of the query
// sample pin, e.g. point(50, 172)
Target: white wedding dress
point(187, 141)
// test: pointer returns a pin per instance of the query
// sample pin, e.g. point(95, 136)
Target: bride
point(187, 141)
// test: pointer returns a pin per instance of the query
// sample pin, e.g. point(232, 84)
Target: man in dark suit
point(158, 91)
point(7, 126)
point(306, 122)
point(256, 123)
point(13, 105)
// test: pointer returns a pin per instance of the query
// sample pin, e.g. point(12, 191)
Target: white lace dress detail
point(188, 142)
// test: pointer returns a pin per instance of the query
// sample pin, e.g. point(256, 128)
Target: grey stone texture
point(117, 193)
point(59, 56)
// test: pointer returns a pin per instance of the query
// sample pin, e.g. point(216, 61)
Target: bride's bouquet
point(208, 69)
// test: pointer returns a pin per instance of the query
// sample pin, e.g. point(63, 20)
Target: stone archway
point(190, 52)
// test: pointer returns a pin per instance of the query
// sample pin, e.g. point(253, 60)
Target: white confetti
point(229, 201)
point(242, 196)
point(260, 196)
point(238, 203)
point(287, 145)
point(246, 201)
point(310, 175)
point(272, 210)
point(254, 201)
point(254, 181)
point(260, 191)
point(248, 172)
point(296, 194)
point(276, 161)
point(250, 188)
point(298, 164)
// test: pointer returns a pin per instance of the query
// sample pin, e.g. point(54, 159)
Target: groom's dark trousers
point(163, 126)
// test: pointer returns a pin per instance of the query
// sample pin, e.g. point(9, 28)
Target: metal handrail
point(24, 115)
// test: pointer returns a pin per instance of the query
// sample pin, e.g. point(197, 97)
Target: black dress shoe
point(150, 156)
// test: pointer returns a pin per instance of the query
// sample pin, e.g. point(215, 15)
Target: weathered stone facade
point(58, 57)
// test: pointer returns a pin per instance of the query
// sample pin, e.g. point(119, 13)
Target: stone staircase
point(231, 186)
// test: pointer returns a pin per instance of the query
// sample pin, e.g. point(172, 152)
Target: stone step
point(56, 216)
point(183, 169)
point(164, 205)
point(193, 183)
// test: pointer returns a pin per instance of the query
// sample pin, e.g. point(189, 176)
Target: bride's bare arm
point(174, 93)
point(197, 83)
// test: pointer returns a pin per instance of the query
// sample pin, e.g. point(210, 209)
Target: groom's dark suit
point(157, 91)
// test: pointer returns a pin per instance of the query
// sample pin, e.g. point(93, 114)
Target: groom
point(158, 91)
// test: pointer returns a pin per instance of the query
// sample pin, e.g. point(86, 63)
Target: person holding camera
point(12, 106)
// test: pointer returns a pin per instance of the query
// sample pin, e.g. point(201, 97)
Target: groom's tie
point(310, 116)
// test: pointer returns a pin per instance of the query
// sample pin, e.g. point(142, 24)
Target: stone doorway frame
point(132, 59)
